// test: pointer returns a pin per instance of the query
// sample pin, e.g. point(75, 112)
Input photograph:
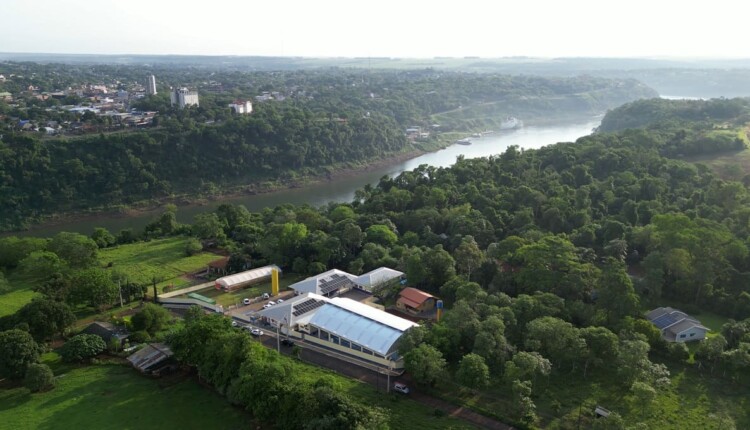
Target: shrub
point(39, 377)
point(81, 347)
point(141, 336)
point(150, 318)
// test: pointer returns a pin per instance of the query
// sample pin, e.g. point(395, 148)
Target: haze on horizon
point(388, 28)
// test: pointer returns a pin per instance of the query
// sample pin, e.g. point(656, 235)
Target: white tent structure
point(239, 280)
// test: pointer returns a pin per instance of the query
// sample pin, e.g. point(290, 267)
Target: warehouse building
point(344, 325)
point(243, 279)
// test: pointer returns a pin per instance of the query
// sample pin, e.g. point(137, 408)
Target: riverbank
point(227, 194)
point(334, 184)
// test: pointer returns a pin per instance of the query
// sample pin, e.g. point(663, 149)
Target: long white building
point(182, 97)
point(342, 324)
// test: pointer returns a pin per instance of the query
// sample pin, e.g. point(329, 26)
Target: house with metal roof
point(378, 277)
point(415, 301)
point(328, 284)
point(151, 358)
point(342, 325)
point(676, 326)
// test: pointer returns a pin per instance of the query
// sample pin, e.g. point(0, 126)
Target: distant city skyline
point(389, 28)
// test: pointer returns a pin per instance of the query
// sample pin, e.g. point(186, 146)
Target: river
point(342, 190)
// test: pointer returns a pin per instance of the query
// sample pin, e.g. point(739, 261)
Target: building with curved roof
point(239, 280)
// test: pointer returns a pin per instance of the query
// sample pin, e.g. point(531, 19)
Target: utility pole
point(119, 287)
point(278, 338)
point(388, 387)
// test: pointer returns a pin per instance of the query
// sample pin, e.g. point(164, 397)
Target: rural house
point(677, 326)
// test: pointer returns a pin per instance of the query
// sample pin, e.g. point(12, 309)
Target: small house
point(107, 331)
point(676, 326)
point(152, 359)
point(415, 301)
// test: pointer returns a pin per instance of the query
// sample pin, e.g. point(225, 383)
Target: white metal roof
point(310, 285)
point(286, 309)
point(247, 276)
point(361, 324)
point(356, 328)
point(372, 313)
point(378, 276)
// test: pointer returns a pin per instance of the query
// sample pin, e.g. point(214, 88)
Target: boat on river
point(464, 141)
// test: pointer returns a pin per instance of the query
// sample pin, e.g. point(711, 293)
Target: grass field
point(729, 166)
point(163, 259)
point(117, 397)
point(21, 293)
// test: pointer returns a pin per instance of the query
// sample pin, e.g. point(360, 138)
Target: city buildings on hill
point(242, 107)
point(182, 97)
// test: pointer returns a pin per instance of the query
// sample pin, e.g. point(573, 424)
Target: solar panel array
point(307, 306)
point(336, 282)
point(664, 321)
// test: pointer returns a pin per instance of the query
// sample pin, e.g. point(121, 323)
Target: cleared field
point(163, 260)
point(14, 300)
point(729, 166)
point(117, 397)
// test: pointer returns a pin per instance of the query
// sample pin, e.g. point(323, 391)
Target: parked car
point(267, 305)
point(401, 387)
point(265, 296)
point(271, 303)
point(235, 323)
point(287, 342)
point(245, 301)
point(256, 332)
point(280, 301)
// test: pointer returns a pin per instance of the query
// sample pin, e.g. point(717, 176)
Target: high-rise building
point(184, 97)
point(151, 85)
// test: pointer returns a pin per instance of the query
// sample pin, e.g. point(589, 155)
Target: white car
point(401, 387)
point(265, 296)
point(271, 303)
point(280, 301)
point(256, 332)
point(235, 323)
point(267, 305)
point(245, 301)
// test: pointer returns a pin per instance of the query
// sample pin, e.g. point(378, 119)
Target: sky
point(383, 28)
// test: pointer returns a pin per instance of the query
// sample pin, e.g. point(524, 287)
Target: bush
point(678, 351)
point(39, 377)
point(141, 336)
point(81, 347)
point(193, 246)
point(150, 318)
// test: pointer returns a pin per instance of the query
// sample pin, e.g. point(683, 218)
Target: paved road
point(378, 378)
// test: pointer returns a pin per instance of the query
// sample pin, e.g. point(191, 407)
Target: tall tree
point(17, 351)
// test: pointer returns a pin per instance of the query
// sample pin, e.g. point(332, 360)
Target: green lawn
point(14, 300)
point(117, 397)
point(21, 293)
point(163, 259)
point(729, 166)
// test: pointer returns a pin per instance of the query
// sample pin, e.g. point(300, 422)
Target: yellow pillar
point(274, 282)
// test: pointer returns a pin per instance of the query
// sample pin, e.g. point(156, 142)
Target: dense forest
point(547, 260)
point(317, 121)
